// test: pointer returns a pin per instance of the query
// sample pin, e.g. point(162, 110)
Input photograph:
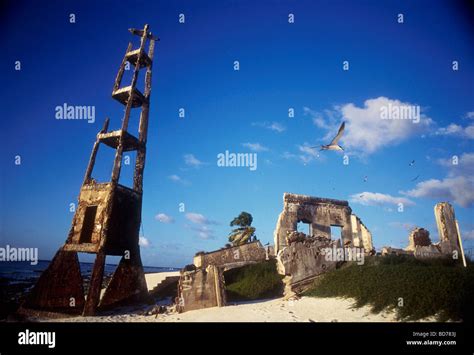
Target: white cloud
point(459, 189)
point(318, 119)
point(201, 225)
point(464, 166)
point(191, 160)
point(164, 218)
point(457, 186)
point(469, 115)
point(456, 130)
point(467, 235)
point(378, 199)
point(256, 147)
point(143, 242)
point(178, 179)
point(203, 232)
point(198, 218)
point(366, 131)
point(305, 155)
point(273, 126)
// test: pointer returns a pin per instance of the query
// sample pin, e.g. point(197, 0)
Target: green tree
point(244, 233)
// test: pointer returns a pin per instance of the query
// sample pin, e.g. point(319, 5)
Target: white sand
point(306, 309)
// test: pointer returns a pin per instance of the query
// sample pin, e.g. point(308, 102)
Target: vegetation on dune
point(415, 289)
point(255, 281)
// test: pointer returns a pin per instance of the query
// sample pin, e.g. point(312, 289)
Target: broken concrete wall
point(356, 231)
point(447, 230)
point(320, 213)
point(418, 237)
point(366, 237)
point(302, 261)
point(232, 257)
point(420, 244)
point(201, 288)
point(394, 251)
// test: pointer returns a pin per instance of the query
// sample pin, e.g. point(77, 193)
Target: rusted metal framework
point(107, 219)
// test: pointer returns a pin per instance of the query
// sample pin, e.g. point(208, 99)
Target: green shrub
point(436, 287)
point(251, 282)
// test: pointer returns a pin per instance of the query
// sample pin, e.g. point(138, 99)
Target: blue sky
point(282, 65)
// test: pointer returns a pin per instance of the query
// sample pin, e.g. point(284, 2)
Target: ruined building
point(320, 214)
point(108, 216)
point(301, 258)
point(203, 285)
point(449, 244)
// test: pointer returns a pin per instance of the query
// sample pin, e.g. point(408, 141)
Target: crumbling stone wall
point(232, 257)
point(447, 230)
point(320, 213)
point(366, 237)
point(303, 259)
point(418, 237)
point(361, 236)
point(201, 288)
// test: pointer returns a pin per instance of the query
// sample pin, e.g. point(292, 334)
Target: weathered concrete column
point(446, 222)
point(356, 231)
point(346, 227)
point(366, 238)
point(287, 221)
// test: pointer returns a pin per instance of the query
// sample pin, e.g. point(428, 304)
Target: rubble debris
point(201, 288)
point(418, 237)
point(302, 260)
point(420, 245)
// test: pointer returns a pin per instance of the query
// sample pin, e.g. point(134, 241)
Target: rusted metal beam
point(93, 296)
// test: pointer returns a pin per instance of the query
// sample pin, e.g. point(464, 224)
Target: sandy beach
point(305, 309)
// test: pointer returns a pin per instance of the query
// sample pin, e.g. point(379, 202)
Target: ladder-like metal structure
point(107, 219)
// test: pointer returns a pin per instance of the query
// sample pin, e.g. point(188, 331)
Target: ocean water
point(22, 271)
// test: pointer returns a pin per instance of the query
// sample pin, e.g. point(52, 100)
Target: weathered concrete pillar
point(356, 231)
point(446, 222)
point(346, 227)
point(287, 221)
point(366, 238)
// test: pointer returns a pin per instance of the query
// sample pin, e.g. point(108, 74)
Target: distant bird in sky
point(333, 145)
point(365, 178)
point(412, 163)
point(416, 177)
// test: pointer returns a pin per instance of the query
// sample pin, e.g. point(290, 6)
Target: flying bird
point(415, 178)
point(333, 145)
point(365, 178)
point(412, 163)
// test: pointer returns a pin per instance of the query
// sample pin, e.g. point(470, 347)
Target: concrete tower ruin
point(108, 217)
